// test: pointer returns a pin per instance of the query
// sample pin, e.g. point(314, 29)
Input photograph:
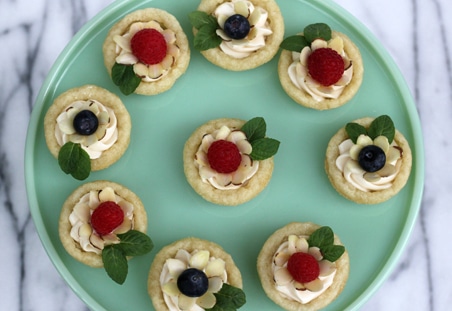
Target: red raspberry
point(107, 217)
point(303, 267)
point(224, 156)
point(149, 46)
point(325, 66)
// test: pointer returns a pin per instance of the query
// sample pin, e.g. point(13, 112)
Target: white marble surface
point(417, 33)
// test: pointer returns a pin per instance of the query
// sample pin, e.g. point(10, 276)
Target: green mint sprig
point(114, 256)
point(310, 33)
point(263, 147)
point(124, 77)
point(229, 298)
point(73, 160)
point(206, 37)
point(380, 126)
point(323, 238)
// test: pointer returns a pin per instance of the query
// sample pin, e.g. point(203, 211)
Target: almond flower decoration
point(319, 268)
point(299, 74)
point(163, 47)
point(103, 138)
point(213, 268)
point(80, 219)
point(376, 180)
point(225, 177)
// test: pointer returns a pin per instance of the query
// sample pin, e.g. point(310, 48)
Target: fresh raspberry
point(303, 267)
point(224, 156)
point(107, 217)
point(325, 66)
point(149, 46)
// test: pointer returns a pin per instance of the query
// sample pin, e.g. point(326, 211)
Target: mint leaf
point(200, 18)
point(134, 243)
point(317, 31)
point(229, 298)
point(354, 130)
point(264, 148)
point(332, 252)
point(206, 38)
point(382, 126)
point(294, 43)
point(74, 160)
point(124, 77)
point(321, 238)
point(254, 129)
point(115, 263)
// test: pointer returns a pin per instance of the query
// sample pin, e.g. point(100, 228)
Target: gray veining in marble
point(417, 33)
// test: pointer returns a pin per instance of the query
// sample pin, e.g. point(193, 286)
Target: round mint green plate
point(299, 190)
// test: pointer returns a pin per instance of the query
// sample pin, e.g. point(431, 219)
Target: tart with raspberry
point(191, 273)
point(320, 68)
point(97, 220)
point(88, 121)
point(229, 161)
point(146, 52)
point(237, 35)
point(303, 266)
point(368, 161)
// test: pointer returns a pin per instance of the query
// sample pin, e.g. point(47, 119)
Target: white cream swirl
point(259, 28)
point(236, 179)
point(214, 268)
point(299, 74)
point(148, 73)
point(94, 144)
point(347, 163)
point(82, 231)
point(284, 282)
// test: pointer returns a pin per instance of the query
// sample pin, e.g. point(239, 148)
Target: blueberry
point(85, 122)
point(237, 26)
point(371, 158)
point(193, 282)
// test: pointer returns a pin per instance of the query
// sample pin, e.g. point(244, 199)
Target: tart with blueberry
point(146, 52)
point(229, 161)
point(320, 68)
point(239, 34)
point(303, 266)
point(103, 224)
point(88, 129)
point(195, 274)
point(368, 161)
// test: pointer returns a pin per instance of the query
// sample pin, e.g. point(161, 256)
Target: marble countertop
point(418, 35)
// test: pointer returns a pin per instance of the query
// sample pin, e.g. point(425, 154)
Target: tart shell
point(264, 264)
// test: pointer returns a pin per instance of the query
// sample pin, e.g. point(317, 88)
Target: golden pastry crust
point(167, 21)
point(306, 100)
point(106, 98)
point(264, 264)
point(260, 57)
point(223, 197)
point(64, 226)
point(189, 244)
point(348, 190)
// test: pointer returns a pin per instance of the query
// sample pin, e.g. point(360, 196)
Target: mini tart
point(348, 190)
point(264, 264)
point(106, 98)
point(167, 21)
point(189, 244)
point(263, 55)
point(64, 226)
point(223, 197)
point(305, 99)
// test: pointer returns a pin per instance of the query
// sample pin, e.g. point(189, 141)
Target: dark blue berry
point(237, 26)
point(85, 122)
point(372, 158)
point(193, 282)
